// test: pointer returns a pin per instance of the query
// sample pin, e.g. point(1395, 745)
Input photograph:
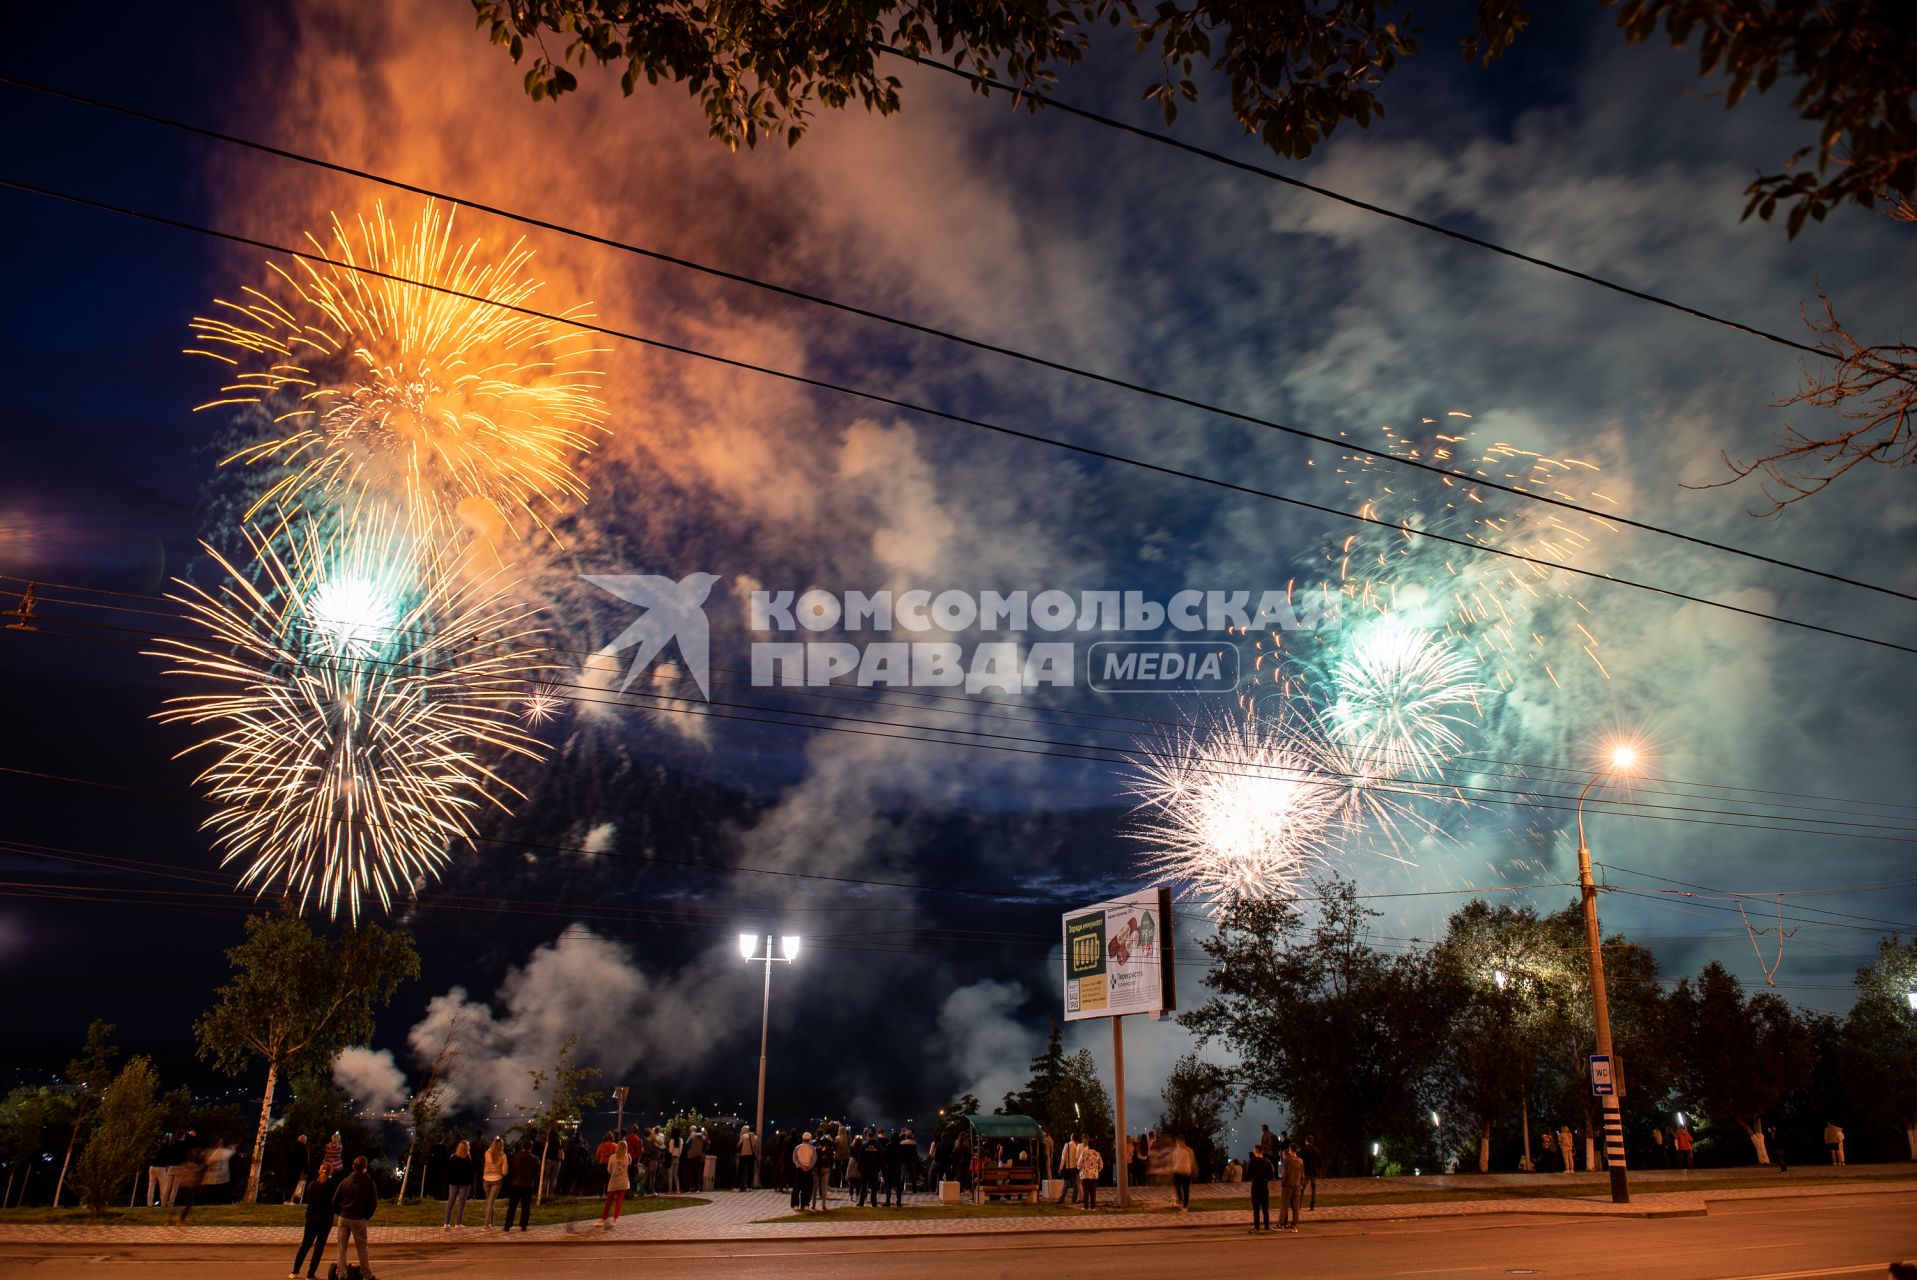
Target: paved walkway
point(734, 1216)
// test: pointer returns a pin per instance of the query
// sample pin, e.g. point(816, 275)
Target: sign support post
point(1121, 1149)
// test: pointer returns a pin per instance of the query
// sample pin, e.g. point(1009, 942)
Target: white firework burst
point(362, 694)
point(1399, 695)
point(1237, 807)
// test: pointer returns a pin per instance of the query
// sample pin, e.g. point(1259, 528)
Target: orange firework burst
point(399, 361)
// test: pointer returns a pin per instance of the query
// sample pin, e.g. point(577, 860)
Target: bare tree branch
point(1873, 388)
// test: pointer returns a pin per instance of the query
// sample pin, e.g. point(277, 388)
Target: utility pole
point(1614, 1155)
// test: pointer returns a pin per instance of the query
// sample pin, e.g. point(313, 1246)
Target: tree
point(125, 1134)
point(1297, 69)
point(296, 999)
point(562, 1099)
point(1879, 1044)
point(87, 1079)
point(1340, 1034)
point(1198, 1097)
point(1497, 968)
point(1080, 1104)
point(1740, 1056)
point(1048, 1068)
point(25, 1116)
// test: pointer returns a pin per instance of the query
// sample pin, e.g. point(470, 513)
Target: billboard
point(1118, 957)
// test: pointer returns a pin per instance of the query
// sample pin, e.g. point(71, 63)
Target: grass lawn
point(413, 1213)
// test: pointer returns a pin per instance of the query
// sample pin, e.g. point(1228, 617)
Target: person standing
point(1259, 1171)
point(1314, 1161)
point(1090, 1165)
point(618, 1182)
point(675, 1152)
point(1268, 1143)
point(335, 1157)
point(354, 1202)
point(522, 1179)
point(1567, 1147)
point(1184, 1166)
point(748, 1156)
point(866, 1165)
point(892, 1168)
point(219, 1172)
point(186, 1178)
point(1834, 1142)
point(1292, 1188)
point(908, 1163)
point(493, 1175)
point(693, 1178)
point(298, 1161)
point(841, 1154)
point(319, 1224)
point(804, 1156)
point(1068, 1170)
point(156, 1189)
point(1775, 1148)
point(459, 1186)
point(1682, 1141)
point(823, 1168)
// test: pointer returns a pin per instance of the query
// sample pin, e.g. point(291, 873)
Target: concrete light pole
point(1621, 759)
point(787, 953)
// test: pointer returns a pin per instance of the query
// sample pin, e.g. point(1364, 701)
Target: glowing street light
point(1497, 976)
point(1912, 997)
point(1623, 758)
point(787, 953)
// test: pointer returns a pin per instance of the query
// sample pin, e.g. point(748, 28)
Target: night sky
point(584, 909)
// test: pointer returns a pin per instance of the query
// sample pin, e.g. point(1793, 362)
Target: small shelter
point(1010, 1153)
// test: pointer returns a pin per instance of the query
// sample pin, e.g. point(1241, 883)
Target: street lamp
point(788, 952)
point(1622, 758)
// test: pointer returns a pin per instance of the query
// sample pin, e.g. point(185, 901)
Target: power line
point(909, 406)
point(1273, 175)
point(1092, 753)
point(980, 344)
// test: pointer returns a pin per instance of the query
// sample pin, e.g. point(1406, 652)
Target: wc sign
point(1603, 1082)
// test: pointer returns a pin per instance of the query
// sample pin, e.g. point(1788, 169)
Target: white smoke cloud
point(989, 1047)
point(628, 1020)
point(370, 1077)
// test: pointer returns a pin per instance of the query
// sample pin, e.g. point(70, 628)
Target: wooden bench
point(1012, 1181)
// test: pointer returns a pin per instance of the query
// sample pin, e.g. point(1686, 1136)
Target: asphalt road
point(1780, 1239)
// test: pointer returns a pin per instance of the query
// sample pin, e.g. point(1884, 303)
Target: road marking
point(1868, 1268)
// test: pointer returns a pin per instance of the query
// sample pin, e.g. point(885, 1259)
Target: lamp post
point(788, 952)
point(1622, 758)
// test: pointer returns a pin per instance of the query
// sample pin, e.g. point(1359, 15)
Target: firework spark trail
point(1236, 807)
point(374, 384)
point(359, 683)
point(1492, 610)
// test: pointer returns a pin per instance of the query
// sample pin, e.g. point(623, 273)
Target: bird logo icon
point(674, 614)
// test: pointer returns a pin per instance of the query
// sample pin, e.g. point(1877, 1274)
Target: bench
point(1012, 1181)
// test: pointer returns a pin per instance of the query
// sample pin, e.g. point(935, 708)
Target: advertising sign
point(1118, 957)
